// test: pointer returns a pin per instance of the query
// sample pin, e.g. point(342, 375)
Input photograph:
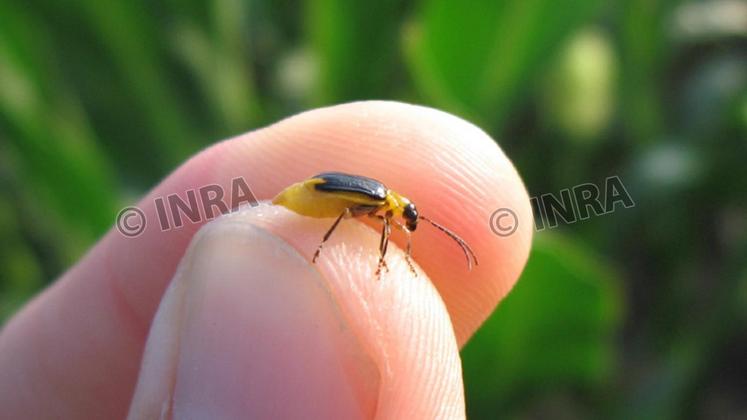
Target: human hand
point(248, 327)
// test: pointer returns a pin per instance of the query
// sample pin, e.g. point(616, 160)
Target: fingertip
point(455, 172)
point(249, 293)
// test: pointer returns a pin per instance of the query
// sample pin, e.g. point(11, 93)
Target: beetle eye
point(410, 213)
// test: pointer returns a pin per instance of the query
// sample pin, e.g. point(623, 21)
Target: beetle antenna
point(467, 250)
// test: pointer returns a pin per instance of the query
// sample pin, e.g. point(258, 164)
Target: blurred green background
point(641, 313)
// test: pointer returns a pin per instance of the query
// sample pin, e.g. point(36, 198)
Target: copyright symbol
point(131, 221)
point(504, 222)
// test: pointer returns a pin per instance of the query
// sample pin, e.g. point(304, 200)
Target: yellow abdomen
point(303, 198)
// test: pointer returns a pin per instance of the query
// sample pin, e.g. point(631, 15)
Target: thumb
point(249, 328)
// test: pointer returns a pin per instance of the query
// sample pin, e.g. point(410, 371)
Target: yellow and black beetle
point(340, 195)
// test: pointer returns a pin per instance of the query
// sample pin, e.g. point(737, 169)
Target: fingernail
point(249, 329)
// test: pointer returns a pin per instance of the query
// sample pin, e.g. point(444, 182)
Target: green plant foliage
point(475, 57)
point(581, 86)
point(216, 60)
point(556, 328)
point(355, 48)
point(50, 132)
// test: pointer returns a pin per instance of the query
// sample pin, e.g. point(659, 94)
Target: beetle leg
point(408, 251)
point(384, 237)
point(328, 234)
point(385, 232)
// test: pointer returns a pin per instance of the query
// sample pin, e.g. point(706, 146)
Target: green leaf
point(476, 57)
point(556, 327)
point(219, 59)
point(141, 67)
point(50, 133)
point(355, 44)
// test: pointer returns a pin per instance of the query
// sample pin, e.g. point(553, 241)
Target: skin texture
point(248, 326)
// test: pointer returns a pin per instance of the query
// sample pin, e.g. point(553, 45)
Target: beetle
point(341, 195)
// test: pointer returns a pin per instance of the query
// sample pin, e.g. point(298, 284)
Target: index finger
point(455, 173)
